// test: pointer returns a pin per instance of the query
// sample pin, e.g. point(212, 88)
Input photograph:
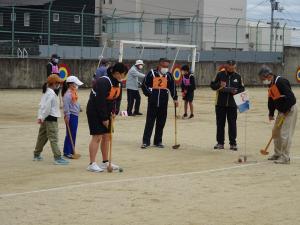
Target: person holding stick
point(71, 113)
point(101, 107)
point(282, 99)
point(156, 86)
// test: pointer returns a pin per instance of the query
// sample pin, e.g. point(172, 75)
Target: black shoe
point(233, 147)
point(137, 114)
point(159, 145)
point(191, 116)
point(144, 146)
point(131, 114)
point(184, 116)
point(219, 147)
point(274, 157)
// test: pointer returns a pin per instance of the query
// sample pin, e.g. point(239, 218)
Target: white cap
point(139, 62)
point(73, 79)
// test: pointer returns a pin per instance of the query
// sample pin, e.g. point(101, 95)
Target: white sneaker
point(94, 168)
point(105, 165)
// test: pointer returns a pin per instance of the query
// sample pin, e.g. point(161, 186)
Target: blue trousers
point(73, 124)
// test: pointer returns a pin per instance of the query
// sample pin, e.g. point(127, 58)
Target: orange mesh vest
point(273, 91)
point(114, 91)
point(160, 82)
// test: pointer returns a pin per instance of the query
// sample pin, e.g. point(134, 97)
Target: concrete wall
point(291, 63)
point(31, 73)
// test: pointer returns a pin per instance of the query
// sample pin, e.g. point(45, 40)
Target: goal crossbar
point(143, 43)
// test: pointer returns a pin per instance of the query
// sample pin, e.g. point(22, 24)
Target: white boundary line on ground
point(130, 180)
point(136, 179)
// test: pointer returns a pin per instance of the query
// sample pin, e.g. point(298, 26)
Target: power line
point(259, 4)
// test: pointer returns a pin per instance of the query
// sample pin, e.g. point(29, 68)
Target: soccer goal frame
point(171, 45)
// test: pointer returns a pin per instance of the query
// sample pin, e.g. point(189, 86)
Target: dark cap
point(164, 60)
point(55, 56)
point(231, 62)
point(185, 68)
point(104, 61)
point(264, 71)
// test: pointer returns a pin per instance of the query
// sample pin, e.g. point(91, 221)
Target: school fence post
point(49, 27)
point(236, 37)
point(13, 31)
point(82, 31)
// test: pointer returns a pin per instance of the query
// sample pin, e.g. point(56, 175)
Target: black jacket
point(192, 85)
point(159, 96)
point(224, 95)
point(98, 105)
point(287, 98)
point(49, 68)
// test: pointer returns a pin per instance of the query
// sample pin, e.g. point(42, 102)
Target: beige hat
point(139, 62)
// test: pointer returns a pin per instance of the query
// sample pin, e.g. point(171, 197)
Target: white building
point(220, 25)
point(258, 35)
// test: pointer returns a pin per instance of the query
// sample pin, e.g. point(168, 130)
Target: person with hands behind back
point(226, 84)
point(282, 99)
point(102, 105)
point(156, 86)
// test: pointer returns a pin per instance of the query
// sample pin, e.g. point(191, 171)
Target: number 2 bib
point(160, 83)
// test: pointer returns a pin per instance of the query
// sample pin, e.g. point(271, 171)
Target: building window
point(247, 36)
point(158, 26)
point(172, 26)
point(1, 19)
point(124, 25)
point(110, 1)
point(184, 26)
point(280, 37)
point(76, 19)
point(56, 17)
point(13, 17)
point(26, 19)
point(103, 2)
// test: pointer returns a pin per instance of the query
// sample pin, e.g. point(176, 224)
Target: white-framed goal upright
point(156, 44)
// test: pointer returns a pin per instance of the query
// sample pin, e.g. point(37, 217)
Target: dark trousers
point(231, 114)
point(133, 98)
point(156, 115)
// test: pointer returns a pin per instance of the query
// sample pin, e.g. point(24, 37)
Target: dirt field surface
point(193, 185)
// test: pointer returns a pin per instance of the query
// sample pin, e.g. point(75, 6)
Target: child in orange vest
point(101, 107)
point(71, 113)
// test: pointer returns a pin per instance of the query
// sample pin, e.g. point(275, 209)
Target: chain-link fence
point(34, 32)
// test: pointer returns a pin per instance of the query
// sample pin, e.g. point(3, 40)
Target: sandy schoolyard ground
point(194, 185)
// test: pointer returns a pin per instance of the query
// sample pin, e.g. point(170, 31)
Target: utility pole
point(274, 7)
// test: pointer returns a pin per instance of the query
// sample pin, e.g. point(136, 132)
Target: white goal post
point(143, 43)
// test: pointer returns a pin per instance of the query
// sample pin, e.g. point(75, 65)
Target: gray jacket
point(69, 106)
point(133, 78)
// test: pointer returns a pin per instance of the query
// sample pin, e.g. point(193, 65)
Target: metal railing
point(55, 29)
